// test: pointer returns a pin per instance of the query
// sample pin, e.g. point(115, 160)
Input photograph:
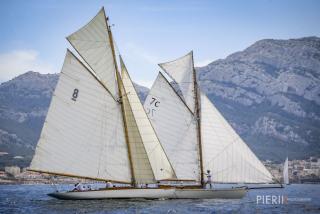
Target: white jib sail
point(142, 170)
point(92, 42)
point(181, 71)
point(225, 154)
point(158, 160)
point(176, 128)
point(286, 172)
point(83, 134)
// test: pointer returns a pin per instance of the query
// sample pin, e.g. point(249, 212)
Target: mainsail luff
point(121, 93)
point(198, 118)
point(77, 125)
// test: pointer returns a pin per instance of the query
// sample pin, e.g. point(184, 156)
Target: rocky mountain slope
point(270, 93)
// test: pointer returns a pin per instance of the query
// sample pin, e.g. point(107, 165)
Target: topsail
point(93, 43)
point(181, 70)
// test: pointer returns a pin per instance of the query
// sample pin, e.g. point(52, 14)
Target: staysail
point(158, 160)
point(83, 135)
point(181, 70)
point(93, 44)
point(225, 154)
point(176, 128)
point(286, 172)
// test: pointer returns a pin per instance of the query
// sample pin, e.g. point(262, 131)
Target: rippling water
point(33, 199)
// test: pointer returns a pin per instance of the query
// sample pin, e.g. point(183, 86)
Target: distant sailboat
point(195, 135)
point(286, 172)
point(96, 128)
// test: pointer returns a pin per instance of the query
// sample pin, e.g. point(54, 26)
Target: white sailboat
point(286, 172)
point(195, 136)
point(96, 128)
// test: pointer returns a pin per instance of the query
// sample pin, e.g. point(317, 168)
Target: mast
point(120, 95)
point(197, 115)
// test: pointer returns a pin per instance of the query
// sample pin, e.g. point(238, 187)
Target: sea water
point(295, 198)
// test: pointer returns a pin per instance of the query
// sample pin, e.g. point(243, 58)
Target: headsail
point(224, 152)
point(83, 133)
point(93, 44)
point(286, 172)
point(142, 170)
point(181, 70)
point(159, 162)
point(176, 128)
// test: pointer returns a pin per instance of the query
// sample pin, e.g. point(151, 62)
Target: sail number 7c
point(154, 103)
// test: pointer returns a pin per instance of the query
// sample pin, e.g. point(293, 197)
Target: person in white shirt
point(209, 180)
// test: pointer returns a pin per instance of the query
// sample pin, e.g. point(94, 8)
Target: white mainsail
point(225, 154)
point(83, 134)
point(176, 128)
point(93, 43)
point(286, 172)
point(159, 162)
point(181, 70)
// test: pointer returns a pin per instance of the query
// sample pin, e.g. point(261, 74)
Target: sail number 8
point(75, 94)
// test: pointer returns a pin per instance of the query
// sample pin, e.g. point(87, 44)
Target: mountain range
point(269, 92)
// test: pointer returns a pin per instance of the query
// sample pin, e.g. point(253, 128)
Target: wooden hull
point(170, 193)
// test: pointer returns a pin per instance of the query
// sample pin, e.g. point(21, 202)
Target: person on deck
point(209, 181)
point(78, 187)
point(108, 184)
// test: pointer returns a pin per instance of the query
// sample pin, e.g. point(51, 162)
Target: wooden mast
point(198, 118)
point(121, 103)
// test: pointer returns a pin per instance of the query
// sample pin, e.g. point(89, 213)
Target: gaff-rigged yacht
point(96, 128)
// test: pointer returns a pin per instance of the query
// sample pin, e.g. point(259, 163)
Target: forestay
point(176, 128)
point(159, 162)
point(93, 44)
point(225, 153)
point(83, 134)
point(181, 70)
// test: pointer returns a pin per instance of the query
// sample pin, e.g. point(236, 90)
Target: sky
point(147, 32)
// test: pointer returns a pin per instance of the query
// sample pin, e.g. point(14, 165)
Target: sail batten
point(83, 121)
point(176, 128)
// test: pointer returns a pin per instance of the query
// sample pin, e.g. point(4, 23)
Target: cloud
point(143, 54)
point(203, 63)
point(17, 62)
point(145, 83)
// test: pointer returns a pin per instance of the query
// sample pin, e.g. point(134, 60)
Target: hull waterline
point(236, 193)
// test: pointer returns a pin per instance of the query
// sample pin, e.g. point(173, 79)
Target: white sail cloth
point(225, 154)
point(176, 128)
point(181, 70)
point(286, 172)
point(93, 44)
point(159, 162)
point(83, 134)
